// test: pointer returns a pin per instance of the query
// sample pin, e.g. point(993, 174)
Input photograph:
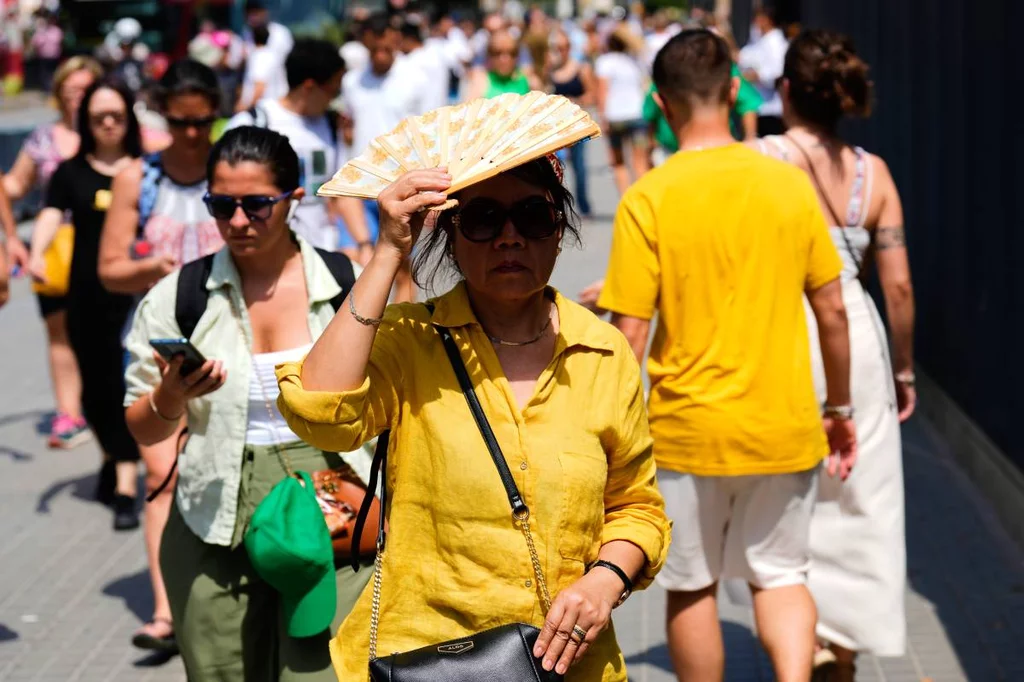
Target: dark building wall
point(945, 77)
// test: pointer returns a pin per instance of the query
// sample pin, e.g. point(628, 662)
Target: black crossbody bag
point(504, 652)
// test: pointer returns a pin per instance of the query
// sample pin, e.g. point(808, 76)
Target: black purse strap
point(380, 458)
point(515, 500)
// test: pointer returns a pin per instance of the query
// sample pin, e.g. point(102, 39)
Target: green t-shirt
point(747, 100)
point(517, 84)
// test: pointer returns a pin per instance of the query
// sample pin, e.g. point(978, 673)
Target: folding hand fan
point(475, 141)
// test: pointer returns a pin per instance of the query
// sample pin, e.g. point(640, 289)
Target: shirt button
point(523, 466)
point(528, 583)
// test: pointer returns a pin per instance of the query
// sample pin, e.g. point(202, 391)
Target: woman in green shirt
point(501, 73)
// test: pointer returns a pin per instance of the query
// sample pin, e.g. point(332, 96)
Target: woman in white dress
point(858, 571)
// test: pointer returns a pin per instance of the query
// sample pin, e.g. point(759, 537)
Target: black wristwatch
point(626, 582)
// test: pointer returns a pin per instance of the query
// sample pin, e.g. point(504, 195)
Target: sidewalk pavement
point(72, 591)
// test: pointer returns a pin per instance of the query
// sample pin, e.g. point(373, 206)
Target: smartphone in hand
point(169, 348)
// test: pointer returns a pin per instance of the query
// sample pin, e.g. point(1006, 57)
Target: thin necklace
point(502, 342)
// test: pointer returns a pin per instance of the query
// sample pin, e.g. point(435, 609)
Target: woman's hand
point(159, 267)
point(590, 296)
point(175, 390)
point(36, 268)
point(586, 604)
point(402, 206)
point(906, 399)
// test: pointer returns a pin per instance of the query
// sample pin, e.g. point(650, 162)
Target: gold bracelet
point(368, 321)
point(152, 406)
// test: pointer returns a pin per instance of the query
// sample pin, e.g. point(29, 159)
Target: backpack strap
point(149, 188)
point(333, 120)
point(192, 296)
point(259, 116)
point(342, 271)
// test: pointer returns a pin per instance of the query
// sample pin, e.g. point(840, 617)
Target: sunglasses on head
point(203, 122)
point(255, 206)
point(483, 220)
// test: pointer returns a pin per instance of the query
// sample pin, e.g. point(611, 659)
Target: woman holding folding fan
point(545, 527)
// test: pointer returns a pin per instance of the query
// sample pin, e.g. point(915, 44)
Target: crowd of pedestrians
point(181, 211)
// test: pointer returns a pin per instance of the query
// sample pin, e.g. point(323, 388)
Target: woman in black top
point(575, 80)
point(96, 318)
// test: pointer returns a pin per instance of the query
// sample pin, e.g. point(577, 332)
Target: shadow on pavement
point(43, 420)
point(15, 454)
point(136, 592)
point(7, 634)
point(83, 487)
point(740, 645)
point(153, 660)
point(960, 559)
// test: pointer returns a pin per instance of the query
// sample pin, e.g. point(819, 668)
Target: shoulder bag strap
point(841, 224)
point(519, 507)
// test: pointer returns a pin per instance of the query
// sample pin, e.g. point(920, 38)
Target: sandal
point(824, 666)
point(146, 639)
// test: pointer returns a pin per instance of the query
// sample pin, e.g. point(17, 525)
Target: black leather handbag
point(503, 653)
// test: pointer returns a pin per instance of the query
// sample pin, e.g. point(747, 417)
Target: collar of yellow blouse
point(578, 327)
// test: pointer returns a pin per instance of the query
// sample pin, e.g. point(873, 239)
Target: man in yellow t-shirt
point(723, 243)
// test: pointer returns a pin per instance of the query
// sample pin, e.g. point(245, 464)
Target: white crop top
point(268, 427)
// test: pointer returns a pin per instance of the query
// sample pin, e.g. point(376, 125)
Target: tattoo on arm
point(890, 238)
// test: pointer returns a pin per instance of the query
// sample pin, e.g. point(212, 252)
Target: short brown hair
point(694, 67)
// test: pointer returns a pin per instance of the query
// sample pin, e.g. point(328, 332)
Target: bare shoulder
point(131, 176)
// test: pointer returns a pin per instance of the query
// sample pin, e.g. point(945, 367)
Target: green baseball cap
point(290, 547)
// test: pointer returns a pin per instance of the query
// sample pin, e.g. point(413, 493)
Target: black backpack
point(192, 295)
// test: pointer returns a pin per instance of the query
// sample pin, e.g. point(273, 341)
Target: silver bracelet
point(907, 378)
point(152, 406)
point(368, 321)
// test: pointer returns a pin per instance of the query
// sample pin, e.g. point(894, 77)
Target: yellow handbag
point(58, 263)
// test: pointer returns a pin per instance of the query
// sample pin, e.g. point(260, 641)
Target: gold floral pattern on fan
point(474, 141)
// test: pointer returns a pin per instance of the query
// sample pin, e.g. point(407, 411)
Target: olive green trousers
point(227, 620)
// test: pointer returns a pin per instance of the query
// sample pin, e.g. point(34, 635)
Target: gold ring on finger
point(580, 634)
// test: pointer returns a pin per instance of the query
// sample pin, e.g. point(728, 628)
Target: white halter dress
point(858, 542)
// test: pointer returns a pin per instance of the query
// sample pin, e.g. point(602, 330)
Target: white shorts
point(755, 528)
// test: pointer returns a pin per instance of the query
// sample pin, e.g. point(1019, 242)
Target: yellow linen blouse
point(455, 563)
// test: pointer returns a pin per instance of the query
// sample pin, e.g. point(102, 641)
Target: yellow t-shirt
point(723, 243)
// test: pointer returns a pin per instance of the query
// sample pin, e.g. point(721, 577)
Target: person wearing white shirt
point(390, 89)
point(431, 63)
point(761, 62)
point(354, 50)
point(314, 70)
point(264, 73)
point(280, 40)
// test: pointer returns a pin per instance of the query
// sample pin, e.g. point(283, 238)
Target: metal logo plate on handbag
point(455, 648)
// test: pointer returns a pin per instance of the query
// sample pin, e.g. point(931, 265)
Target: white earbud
point(292, 208)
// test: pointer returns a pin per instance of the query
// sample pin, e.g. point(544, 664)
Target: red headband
point(556, 166)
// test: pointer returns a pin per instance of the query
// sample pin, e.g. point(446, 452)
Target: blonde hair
point(70, 66)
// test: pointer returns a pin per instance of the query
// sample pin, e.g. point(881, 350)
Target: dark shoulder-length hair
point(133, 133)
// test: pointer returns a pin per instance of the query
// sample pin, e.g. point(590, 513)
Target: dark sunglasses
point(482, 220)
point(255, 207)
point(204, 122)
point(502, 53)
point(119, 117)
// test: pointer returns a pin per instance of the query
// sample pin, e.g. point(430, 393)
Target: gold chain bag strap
point(508, 648)
point(339, 492)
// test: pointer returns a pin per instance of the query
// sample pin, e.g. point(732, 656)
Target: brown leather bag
point(340, 494)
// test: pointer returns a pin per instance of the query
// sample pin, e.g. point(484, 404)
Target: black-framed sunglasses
point(482, 220)
point(255, 206)
point(189, 122)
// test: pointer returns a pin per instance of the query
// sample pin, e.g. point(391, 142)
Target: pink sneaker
point(68, 432)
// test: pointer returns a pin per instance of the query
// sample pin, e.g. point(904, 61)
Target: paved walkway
point(72, 591)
